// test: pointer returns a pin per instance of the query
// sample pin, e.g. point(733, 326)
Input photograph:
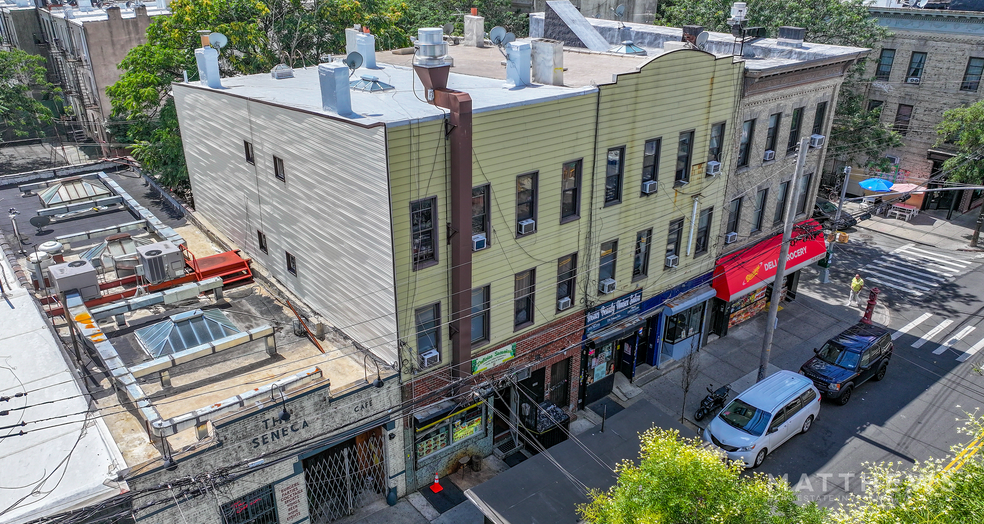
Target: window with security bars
point(257, 507)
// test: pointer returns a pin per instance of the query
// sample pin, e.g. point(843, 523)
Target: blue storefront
point(628, 334)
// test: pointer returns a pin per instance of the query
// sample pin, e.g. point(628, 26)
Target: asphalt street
point(930, 298)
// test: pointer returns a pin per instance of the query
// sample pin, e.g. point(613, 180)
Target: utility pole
point(787, 233)
point(825, 272)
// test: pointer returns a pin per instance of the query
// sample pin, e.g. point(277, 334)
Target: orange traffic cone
point(436, 486)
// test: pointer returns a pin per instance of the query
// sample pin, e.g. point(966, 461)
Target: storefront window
point(601, 362)
point(258, 507)
point(684, 325)
point(456, 427)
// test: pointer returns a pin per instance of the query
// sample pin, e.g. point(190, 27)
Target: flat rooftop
point(79, 16)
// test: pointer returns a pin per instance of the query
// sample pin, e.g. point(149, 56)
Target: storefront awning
point(615, 330)
point(689, 299)
point(744, 271)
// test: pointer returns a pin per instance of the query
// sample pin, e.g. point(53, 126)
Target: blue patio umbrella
point(876, 184)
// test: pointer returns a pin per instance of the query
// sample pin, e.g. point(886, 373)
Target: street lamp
point(378, 382)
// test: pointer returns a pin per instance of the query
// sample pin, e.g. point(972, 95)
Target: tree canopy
point(963, 130)
point(22, 84)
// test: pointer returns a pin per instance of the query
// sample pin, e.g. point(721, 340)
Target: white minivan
point(764, 416)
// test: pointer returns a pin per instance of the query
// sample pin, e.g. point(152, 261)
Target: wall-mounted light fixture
point(378, 382)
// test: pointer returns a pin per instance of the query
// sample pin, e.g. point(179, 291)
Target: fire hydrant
point(872, 300)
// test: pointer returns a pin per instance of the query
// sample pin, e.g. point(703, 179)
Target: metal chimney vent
point(370, 84)
point(432, 50)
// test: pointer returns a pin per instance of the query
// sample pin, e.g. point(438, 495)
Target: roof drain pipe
point(432, 66)
point(693, 225)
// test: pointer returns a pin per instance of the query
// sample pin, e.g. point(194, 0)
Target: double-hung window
point(261, 241)
point(885, 61)
point(606, 265)
point(715, 145)
point(972, 75)
point(640, 263)
point(760, 198)
point(566, 277)
point(802, 193)
point(745, 144)
point(480, 211)
point(734, 215)
point(780, 214)
point(650, 160)
point(523, 298)
point(819, 118)
point(526, 204)
point(685, 149)
point(613, 175)
point(278, 169)
point(795, 125)
point(480, 314)
point(570, 187)
point(248, 151)
point(423, 231)
point(917, 63)
point(772, 137)
point(702, 242)
point(428, 323)
point(673, 238)
point(902, 118)
point(291, 261)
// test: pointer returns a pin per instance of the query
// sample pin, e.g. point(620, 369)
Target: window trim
point(614, 261)
point(803, 197)
point(820, 118)
point(898, 125)
point(486, 222)
point(922, 69)
point(879, 74)
point(734, 215)
point(571, 279)
point(745, 142)
point(795, 130)
point(706, 233)
point(677, 244)
point(772, 135)
point(761, 197)
point(681, 178)
point(485, 313)
point(291, 262)
point(779, 217)
point(644, 272)
point(435, 235)
point(436, 306)
point(279, 171)
point(535, 179)
point(249, 153)
point(261, 242)
point(965, 83)
point(654, 164)
point(715, 153)
point(530, 297)
point(619, 176)
point(579, 163)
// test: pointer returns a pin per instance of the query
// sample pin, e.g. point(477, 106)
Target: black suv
point(848, 360)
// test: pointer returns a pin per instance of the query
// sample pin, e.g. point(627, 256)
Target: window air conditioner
point(893, 159)
point(429, 358)
point(913, 80)
point(769, 155)
point(672, 261)
point(527, 226)
point(607, 286)
point(730, 238)
point(713, 168)
point(816, 141)
point(649, 187)
point(479, 242)
point(563, 304)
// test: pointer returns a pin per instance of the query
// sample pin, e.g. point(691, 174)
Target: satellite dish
point(353, 60)
point(40, 221)
point(448, 28)
point(702, 39)
point(619, 10)
point(508, 38)
point(218, 40)
point(497, 34)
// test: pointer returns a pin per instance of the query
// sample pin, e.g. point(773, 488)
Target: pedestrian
point(856, 286)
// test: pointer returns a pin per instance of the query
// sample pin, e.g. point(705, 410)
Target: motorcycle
point(713, 401)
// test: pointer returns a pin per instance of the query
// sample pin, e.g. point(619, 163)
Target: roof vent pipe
point(431, 61)
point(548, 61)
point(335, 96)
point(351, 33)
point(791, 36)
point(365, 44)
point(474, 31)
point(518, 64)
point(207, 58)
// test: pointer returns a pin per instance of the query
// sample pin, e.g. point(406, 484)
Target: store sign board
point(612, 311)
point(494, 358)
point(292, 500)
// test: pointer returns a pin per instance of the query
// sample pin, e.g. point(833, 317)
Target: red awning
point(742, 272)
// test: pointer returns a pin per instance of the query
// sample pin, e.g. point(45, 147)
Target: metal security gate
point(345, 477)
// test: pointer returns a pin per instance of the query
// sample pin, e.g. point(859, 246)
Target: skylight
point(184, 331)
point(370, 84)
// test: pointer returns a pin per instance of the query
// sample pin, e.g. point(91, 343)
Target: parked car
point(848, 360)
point(824, 212)
point(764, 416)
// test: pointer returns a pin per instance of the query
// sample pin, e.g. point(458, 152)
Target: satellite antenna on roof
point(448, 28)
point(619, 11)
point(702, 40)
point(500, 38)
point(218, 40)
point(353, 61)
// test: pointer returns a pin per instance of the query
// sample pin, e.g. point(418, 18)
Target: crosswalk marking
point(953, 340)
point(909, 272)
point(911, 247)
point(932, 333)
point(905, 329)
point(913, 271)
point(972, 351)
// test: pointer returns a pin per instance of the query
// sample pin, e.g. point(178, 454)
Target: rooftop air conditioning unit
point(913, 80)
point(479, 242)
point(893, 159)
point(564, 303)
point(429, 358)
point(816, 141)
point(527, 226)
point(607, 286)
point(649, 187)
point(79, 275)
point(769, 155)
point(730, 238)
point(672, 261)
point(161, 261)
point(713, 168)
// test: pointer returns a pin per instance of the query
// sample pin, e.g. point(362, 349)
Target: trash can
point(476, 463)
